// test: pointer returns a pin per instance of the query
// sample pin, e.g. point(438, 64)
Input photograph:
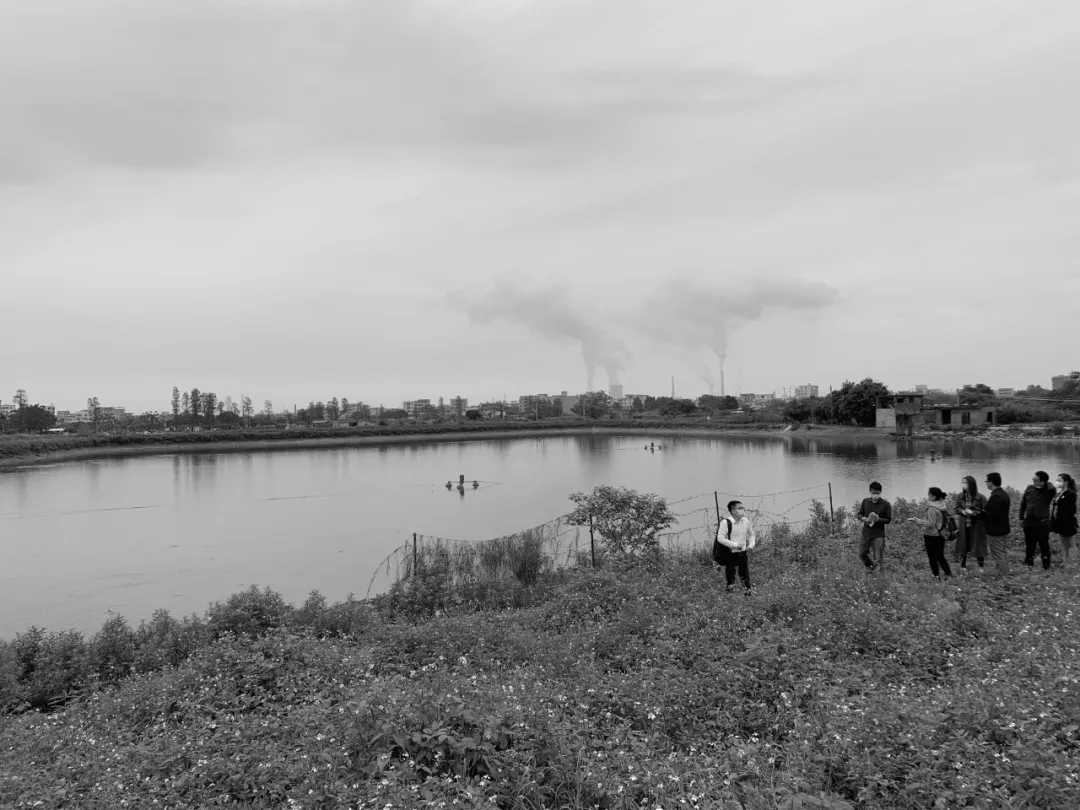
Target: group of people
point(979, 525)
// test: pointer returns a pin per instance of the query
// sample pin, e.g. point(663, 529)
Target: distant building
point(806, 391)
point(529, 402)
point(753, 401)
point(413, 407)
point(628, 400)
point(615, 391)
point(899, 412)
point(1006, 393)
point(1058, 382)
point(922, 389)
point(459, 405)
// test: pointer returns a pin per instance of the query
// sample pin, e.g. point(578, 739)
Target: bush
point(251, 612)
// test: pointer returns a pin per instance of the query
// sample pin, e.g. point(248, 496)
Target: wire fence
point(525, 555)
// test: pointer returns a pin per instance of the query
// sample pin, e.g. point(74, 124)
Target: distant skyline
point(399, 199)
point(257, 401)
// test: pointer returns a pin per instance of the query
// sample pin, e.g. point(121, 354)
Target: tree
point(333, 409)
point(678, 407)
point(268, 409)
point(245, 409)
point(978, 394)
point(32, 419)
point(148, 421)
point(209, 407)
point(638, 406)
point(592, 405)
point(627, 520)
point(225, 404)
point(175, 402)
point(346, 409)
point(473, 415)
point(713, 402)
point(196, 402)
point(185, 403)
point(93, 411)
point(856, 403)
point(650, 403)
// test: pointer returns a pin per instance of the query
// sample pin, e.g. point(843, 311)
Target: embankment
point(28, 450)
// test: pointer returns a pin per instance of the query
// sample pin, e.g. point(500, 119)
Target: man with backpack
point(734, 538)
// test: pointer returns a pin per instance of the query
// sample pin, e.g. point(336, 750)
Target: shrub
point(250, 612)
point(112, 650)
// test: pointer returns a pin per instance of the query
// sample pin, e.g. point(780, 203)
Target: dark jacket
point(1063, 514)
point(884, 515)
point(1035, 505)
point(971, 539)
point(996, 513)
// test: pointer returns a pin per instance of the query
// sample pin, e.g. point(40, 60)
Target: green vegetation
point(515, 684)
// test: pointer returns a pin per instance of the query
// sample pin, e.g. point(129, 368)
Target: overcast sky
point(391, 200)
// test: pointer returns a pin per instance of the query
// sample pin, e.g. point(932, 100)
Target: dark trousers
point(737, 561)
point(935, 552)
point(1037, 536)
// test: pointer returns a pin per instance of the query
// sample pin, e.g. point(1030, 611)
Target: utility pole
point(673, 388)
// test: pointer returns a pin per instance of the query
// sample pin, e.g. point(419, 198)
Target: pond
point(130, 535)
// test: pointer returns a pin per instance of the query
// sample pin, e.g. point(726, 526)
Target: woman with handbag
point(1063, 513)
point(971, 539)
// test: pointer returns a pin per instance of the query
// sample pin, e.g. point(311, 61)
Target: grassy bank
point(21, 449)
point(625, 686)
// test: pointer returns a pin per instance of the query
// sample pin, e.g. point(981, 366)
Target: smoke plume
point(695, 316)
point(549, 313)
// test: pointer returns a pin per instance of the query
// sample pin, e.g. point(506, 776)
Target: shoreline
point(331, 442)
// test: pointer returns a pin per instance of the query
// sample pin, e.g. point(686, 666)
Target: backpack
point(720, 552)
point(948, 528)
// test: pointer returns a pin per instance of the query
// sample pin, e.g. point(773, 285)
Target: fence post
point(832, 517)
point(592, 542)
point(414, 553)
point(716, 499)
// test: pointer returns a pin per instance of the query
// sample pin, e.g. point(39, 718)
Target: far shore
point(285, 444)
point(308, 443)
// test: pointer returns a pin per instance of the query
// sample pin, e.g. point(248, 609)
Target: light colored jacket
point(935, 518)
point(741, 536)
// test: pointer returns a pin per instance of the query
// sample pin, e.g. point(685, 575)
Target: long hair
point(1070, 482)
point(970, 487)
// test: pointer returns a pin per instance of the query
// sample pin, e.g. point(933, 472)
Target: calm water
point(132, 535)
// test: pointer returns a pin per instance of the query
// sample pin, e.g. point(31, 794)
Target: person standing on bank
point(971, 538)
point(1035, 518)
point(1063, 513)
point(996, 523)
point(875, 513)
point(933, 529)
point(735, 536)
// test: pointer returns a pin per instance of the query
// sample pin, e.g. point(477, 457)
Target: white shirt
point(742, 534)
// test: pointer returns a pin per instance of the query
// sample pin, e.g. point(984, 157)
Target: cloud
point(550, 313)
point(696, 316)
